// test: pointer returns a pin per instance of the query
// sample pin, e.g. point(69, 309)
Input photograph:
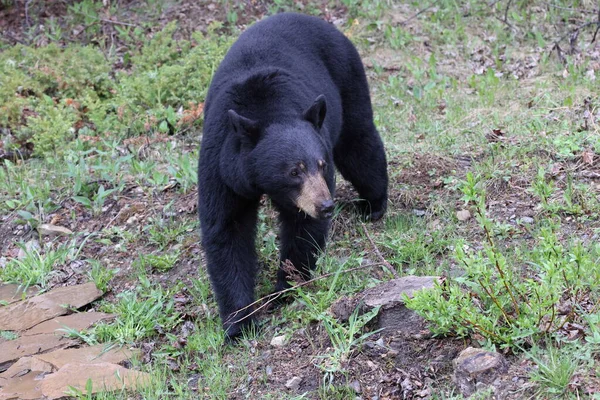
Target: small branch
point(384, 262)
point(574, 36)
point(273, 296)
point(110, 21)
point(569, 9)
point(506, 12)
point(495, 300)
point(492, 245)
point(481, 328)
point(27, 21)
point(406, 21)
point(597, 27)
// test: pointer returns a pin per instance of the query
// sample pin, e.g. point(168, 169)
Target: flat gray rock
point(393, 314)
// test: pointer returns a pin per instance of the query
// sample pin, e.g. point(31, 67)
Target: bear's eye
point(322, 164)
point(294, 172)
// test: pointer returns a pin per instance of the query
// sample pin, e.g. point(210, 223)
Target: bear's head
point(289, 159)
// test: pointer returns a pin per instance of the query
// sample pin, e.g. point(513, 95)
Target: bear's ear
point(244, 127)
point(316, 113)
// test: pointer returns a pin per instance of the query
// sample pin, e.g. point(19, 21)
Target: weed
point(158, 262)
point(139, 314)
point(8, 335)
point(101, 275)
point(500, 304)
point(36, 266)
point(555, 369)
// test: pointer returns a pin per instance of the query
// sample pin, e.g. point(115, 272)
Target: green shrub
point(496, 298)
point(50, 95)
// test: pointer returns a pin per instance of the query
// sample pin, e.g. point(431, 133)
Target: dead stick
point(385, 263)
point(273, 296)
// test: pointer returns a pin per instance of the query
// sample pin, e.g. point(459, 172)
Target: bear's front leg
point(228, 240)
point(302, 239)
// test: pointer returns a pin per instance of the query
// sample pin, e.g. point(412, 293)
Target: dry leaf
point(588, 157)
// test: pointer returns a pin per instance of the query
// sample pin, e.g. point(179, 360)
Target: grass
point(477, 114)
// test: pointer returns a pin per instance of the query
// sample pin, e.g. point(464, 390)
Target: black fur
point(292, 88)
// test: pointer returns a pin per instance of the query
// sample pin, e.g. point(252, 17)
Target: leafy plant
point(494, 300)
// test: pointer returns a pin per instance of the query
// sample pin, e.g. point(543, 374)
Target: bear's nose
point(326, 209)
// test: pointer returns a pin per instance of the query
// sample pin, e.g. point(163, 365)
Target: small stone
point(393, 315)
point(294, 383)
point(418, 213)
point(269, 370)
point(278, 341)
point(355, 385)
point(53, 230)
point(477, 368)
point(526, 220)
point(463, 215)
point(29, 246)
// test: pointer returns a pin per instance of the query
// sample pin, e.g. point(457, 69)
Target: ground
point(489, 114)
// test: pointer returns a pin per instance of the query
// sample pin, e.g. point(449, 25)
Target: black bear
point(289, 101)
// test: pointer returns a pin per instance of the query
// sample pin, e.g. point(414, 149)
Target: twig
point(597, 27)
point(384, 262)
point(574, 35)
point(110, 21)
point(273, 296)
point(492, 245)
point(506, 12)
point(27, 21)
point(568, 8)
point(406, 21)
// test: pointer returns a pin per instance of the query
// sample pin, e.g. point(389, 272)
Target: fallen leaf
point(588, 157)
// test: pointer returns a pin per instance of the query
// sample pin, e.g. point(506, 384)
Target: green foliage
point(139, 313)
point(555, 368)
point(36, 266)
point(494, 298)
point(100, 275)
point(158, 262)
point(49, 95)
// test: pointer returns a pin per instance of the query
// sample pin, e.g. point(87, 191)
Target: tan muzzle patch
point(314, 192)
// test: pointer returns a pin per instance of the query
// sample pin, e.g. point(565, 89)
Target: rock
point(31, 245)
point(294, 383)
point(527, 220)
point(463, 215)
point(23, 366)
point(53, 230)
point(12, 350)
point(24, 387)
point(78, 322)
point(104, 377)
point(28, 313)
point(393, 314)
point(278, 341)
point(11, 293)
point(355, 385)
point(477, 368)
point(418, 213)
point(87, 355)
